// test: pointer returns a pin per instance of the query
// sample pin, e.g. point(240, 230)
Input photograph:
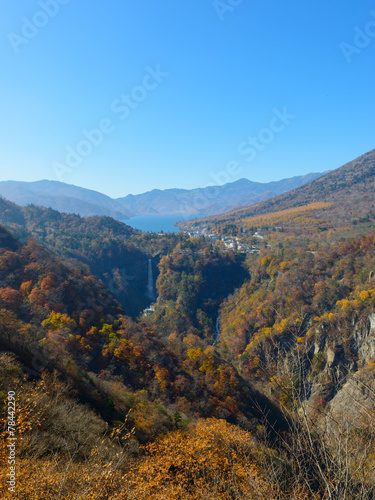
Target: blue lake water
point(155, 223)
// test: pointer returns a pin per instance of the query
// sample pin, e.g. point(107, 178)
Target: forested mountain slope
point(333, 200)
point(76, 326)
point(115, 252)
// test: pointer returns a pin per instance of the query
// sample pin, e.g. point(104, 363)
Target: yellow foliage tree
point(217, 460)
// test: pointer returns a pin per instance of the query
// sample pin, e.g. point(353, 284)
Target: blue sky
point(123, 97)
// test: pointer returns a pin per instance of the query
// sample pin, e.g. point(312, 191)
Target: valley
point(255, 327)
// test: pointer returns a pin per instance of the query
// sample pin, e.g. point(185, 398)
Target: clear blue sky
point(223, 75)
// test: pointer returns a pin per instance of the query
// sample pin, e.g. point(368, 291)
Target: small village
point(233, 243)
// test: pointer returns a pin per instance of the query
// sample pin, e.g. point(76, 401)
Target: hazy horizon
point(164, 189)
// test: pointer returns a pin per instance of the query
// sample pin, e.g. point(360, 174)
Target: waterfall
point(150, 281)
point(217, 331)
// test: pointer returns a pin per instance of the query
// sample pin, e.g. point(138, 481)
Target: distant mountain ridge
point(210, 200)
point(62, 197)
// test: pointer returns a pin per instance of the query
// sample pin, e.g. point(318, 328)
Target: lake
point(155, 223)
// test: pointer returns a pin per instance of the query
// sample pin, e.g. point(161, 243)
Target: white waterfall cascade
point(217, 331)
point(150, 281)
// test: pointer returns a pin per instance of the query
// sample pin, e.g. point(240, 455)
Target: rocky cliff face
point(345, 387)
point(364, 341)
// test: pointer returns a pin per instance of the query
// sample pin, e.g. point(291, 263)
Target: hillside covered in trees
point(251, 376)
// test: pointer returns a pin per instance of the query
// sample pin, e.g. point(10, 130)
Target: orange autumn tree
point(10, 298)
point(215, 460)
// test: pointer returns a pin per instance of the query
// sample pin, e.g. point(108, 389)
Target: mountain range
point(195, 202)
point(209, 200)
